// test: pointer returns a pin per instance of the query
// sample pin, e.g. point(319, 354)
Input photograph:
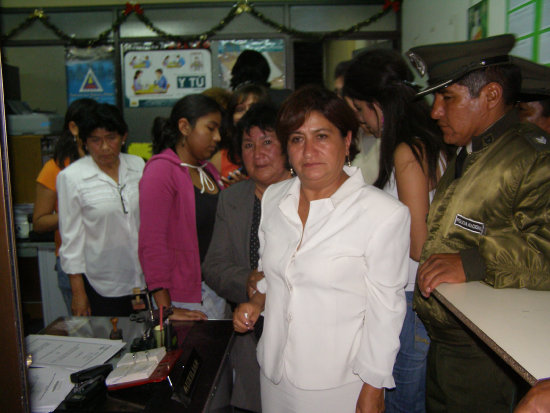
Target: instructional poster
point(90, 74)
point(161, 77)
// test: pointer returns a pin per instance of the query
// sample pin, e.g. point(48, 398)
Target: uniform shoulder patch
point(538, 138)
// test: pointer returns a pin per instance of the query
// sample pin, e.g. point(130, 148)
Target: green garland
point(243, 6)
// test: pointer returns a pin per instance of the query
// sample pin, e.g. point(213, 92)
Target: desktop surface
point(207, 341)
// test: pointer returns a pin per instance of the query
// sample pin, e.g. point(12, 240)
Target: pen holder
point(159, 336)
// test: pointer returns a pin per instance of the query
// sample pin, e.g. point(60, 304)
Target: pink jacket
point(168, 245)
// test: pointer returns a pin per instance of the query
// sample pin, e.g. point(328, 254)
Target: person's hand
point(371, 400)
point(233, 177)
point(537, 400)
point(440, 268)
point(80, 305)
point(245, 316)
point(253, 279)
point(182, 314)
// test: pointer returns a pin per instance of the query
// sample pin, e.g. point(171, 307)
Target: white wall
point(441, 21)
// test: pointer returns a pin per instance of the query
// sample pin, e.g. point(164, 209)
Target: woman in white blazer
point(334, 252)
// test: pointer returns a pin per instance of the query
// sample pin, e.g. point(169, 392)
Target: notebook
point(136, 366)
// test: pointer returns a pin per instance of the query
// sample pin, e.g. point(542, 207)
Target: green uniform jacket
point(496, 215)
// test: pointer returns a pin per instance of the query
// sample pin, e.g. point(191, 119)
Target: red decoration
point(130, 8)
point(133, 8)
point(395, 4)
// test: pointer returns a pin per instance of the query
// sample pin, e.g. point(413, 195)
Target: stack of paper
point(54, 358)
point(49, 387)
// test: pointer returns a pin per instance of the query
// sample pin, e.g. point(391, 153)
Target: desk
point(211, 339)
point(515, 323)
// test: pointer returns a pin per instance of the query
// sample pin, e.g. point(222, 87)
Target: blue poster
point(91, 74)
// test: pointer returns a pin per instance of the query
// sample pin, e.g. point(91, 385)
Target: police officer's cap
point(445, 63)
point(535, 80)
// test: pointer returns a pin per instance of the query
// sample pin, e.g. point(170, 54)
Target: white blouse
point(99, 223)
point(335, 299)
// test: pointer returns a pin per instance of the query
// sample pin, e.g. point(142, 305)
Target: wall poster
point(90, 74)
point(159, 77)
point(477, 21)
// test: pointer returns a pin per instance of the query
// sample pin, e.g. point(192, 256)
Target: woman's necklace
point(205, 179)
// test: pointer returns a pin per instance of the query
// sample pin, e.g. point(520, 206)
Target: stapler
point(81, 376)
point(89, 387)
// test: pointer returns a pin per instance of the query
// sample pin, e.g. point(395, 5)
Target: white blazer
point(335, 305)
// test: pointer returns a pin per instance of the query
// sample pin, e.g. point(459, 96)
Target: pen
point(160, 318)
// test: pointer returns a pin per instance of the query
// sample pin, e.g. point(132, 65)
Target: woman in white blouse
point(334, 252)
point(99, 218)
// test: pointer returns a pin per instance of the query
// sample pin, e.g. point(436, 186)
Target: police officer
point(489, 217)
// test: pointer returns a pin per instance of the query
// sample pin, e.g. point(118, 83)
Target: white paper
point(155, 354)
point(74, 353)
point(49, 386)
point(132, 372)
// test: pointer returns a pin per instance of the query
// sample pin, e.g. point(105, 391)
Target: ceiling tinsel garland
point(243, 6)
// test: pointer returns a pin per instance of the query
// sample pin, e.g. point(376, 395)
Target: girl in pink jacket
point(178, 195)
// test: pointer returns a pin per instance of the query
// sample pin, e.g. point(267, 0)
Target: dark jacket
point(226, 266)
point(495, 215)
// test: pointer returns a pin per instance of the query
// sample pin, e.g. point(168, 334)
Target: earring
point(348, 162)
point(292, 171)
point(75, 137)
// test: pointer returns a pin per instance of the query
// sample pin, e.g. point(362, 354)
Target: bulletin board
point(529, 20)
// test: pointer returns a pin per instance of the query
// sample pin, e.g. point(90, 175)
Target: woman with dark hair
point(99, 217)
point(227, 160)
point(334, 254)
point(250, 67)
point(178, 197)
point(45, 217)
point(137, 83)
point(265, 164)
point(378, 85)
point(231, 263)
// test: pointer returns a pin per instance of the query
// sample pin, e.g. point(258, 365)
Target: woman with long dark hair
point(178, 195)
point(226, 159)
point(379, 86)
